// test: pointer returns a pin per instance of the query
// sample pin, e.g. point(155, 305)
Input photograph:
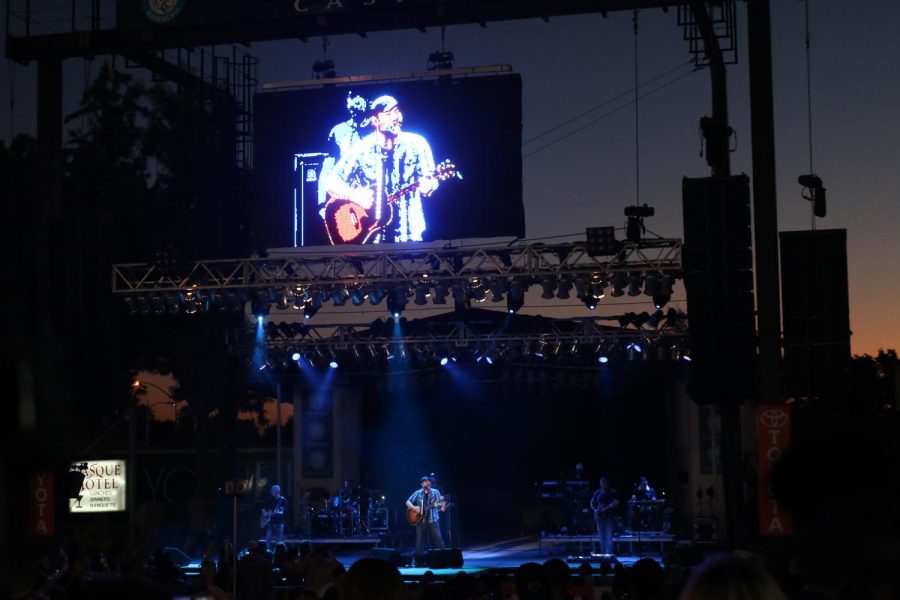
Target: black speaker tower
point(718, 277)
point(816, 314)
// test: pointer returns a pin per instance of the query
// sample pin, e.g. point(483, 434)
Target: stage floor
point(502, 554)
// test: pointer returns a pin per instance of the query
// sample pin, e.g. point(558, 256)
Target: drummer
point(346, 492)
point(643, 490)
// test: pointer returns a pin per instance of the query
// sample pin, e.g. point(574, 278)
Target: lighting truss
point(325, 274)
point(474, 335)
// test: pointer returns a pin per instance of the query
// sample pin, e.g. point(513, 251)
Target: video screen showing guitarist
point(604, 503)
point(369, 175)
point(424, 507)
point(273, 516)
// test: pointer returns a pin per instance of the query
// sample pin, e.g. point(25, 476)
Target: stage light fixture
point(590, 302)
point(634, 227)
point(515, 299)
point(444, 361)
point(312, 306)
point(634, 284)
point(333, 364)
point(396, 302)
point(143, 305)
point(357, 296)
point(601, 241)
point(376, 295)
point(260, 303)
point(273, 330)
point(459, 294)
point(549, 286)
point(661, 299)
point(339, 296)
point(565, 286)
point(497, 289)
point(814, 192)
point(652, 284)
point(626, 319)
point(602, 359)
point(440, 293)
point(131, 306)
point(422, 294)
point(295, 356)
point(619, 282)
point(598, 288)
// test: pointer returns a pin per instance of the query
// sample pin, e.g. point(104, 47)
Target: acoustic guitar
point(413, 517)
point(346, 222)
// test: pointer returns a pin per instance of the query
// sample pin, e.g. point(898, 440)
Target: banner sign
point(40, 503)
point(773, 433)
point(103, 488)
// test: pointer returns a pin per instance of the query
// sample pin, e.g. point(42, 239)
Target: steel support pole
point(765, 205)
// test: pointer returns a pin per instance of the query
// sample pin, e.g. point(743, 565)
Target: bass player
point(423, 510)
point(604, 503)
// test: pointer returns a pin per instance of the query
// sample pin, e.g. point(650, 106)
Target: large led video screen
point(389, 162)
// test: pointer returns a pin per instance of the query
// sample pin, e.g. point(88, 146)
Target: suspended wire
point(637, 121)
point(809, 126)
point(607, 114)
point(11, 68)
point(605, 103)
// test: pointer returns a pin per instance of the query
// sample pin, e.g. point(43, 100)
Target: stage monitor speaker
point(391, 555)
point(816, 313)
point(449, 558)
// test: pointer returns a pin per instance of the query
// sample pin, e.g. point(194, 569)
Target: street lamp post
point(136, 385)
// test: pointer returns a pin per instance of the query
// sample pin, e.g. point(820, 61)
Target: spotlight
point(602, 359)
point(376, 296)
point(640, 319)
point(590, 302)
point(260, 303)
point(440, 293)
point(618, 282)
point(396, 302)
point(339, 296)
point(515, 299)
point(662, 297)
point(488, 359)
point(312, 306)
point(814, 192)
point(652, 284)
point(333, 364)
point(565, 286)
point(422, 294)
point(634, 284)
point(444, 361)
point(549, 285)
point(598, 288)
point(497, 290)
point(295, 356)
point(357, 296)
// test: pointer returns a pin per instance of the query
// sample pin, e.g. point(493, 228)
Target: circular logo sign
point(162, 11)
point(774, 417)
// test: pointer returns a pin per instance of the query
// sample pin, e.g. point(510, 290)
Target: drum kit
point(347, 515)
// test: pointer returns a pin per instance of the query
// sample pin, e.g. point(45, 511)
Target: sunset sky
point(574, 64)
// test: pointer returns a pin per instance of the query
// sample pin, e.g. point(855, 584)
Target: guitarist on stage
point(426, 504)
point(604, 503)
point(380, 163)
point(273, 516)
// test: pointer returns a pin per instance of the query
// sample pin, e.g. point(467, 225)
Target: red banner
point(773, 434)
point(40, 502)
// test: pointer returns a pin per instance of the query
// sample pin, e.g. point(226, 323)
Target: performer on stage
point(428, 503)
point(273, 516)
point(643, 490)
point(604, 503)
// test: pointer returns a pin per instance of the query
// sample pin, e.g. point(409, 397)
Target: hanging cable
point(637, 121)
point(809, 106)
point(11, 66)
point(607, 114)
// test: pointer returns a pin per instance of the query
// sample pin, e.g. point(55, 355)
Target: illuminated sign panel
point(103, 489)
point(390, 162)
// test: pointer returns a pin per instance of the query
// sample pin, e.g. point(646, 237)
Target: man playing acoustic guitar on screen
point(376, 188)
